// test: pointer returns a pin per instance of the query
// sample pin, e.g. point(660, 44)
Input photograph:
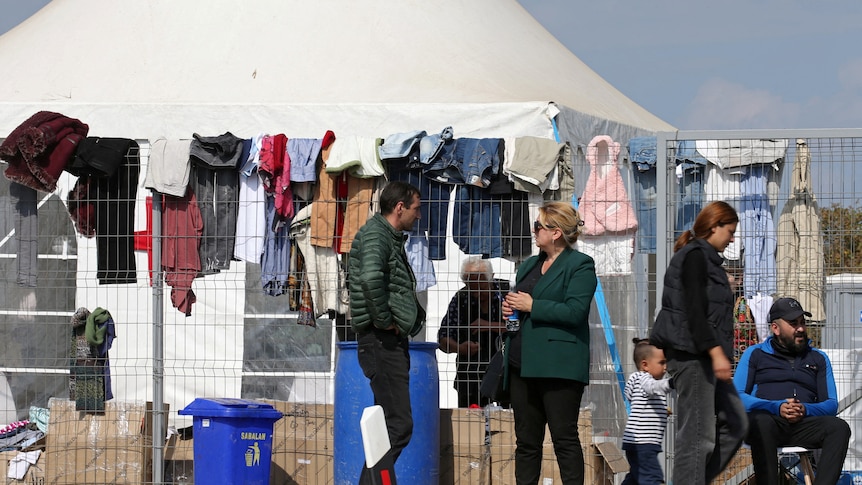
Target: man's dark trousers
point(384, 358)
point(767, 432)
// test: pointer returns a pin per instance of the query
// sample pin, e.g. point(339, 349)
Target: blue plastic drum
point(419, 463)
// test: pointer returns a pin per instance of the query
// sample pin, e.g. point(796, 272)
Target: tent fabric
point(164, 69)
point(172, 68)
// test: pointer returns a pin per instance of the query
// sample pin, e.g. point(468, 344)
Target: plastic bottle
point(513, 321)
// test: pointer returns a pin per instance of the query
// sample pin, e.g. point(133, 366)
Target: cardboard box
point(603, 463)
point(302, 444)
point(110, 447)
point(464, 456)
point(179, 460)
point(302, 468)
point(739, 470)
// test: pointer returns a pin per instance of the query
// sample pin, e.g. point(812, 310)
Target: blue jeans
point(644, 468)
point(711, 419)
point(476, 222)
point(645, 209)
point(690, 188)
point(478, 159)
point(435, 196)
point(757, 231)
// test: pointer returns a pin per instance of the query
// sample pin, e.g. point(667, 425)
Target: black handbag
point(492, 382)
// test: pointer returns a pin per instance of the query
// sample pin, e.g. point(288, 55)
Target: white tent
point(139, 69)
point(161, 68)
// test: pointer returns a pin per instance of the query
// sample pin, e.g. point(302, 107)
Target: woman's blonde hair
point(564, 217)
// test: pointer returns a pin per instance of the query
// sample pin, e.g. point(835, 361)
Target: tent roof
point(293, 52)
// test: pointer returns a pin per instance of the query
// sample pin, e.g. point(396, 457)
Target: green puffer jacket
point(381, 283)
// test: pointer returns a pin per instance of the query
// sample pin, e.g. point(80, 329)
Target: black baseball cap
point(788, 309)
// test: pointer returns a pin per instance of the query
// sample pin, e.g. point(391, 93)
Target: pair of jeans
point(555, 402)
point(114, 200)
point(275, 260)
point(757, 231)
point(478, 159)
point(217, 191)
point(644, 468)
point(384, 358)
point(476, 222)
point(645, 208)
point(435, 204)
point(400, 145)
point(27, 231)
point(769, 431)
point(711, 419)
point(436, 197)
point(690, 180)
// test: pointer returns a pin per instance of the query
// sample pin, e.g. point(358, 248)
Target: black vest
point(671, 329)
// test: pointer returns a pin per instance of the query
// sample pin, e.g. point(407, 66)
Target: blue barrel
point(419, 463)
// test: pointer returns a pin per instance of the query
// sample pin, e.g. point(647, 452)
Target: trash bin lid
point(226, 407)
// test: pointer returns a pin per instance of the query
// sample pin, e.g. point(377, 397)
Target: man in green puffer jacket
point(384, 309)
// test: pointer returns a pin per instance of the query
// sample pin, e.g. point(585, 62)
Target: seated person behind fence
point(646, 390)
point(472, 327)
point(789, 393)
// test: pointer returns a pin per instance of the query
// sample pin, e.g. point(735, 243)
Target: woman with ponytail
point(695, 329)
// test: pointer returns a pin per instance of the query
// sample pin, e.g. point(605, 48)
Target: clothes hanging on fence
point(169, 167)
point(93, 334)
point(476, 222)
point(303, 154)
point(605, 205)
point(27, 233)
point(609, 219)
point(182, 227)
point(102, 204)
point(532, 163)
point(39, 149)
point(326, 279)
point(723, 185)
point(342, 206)
point(744, 328)
point(275, 261)
point(251, 216)
point(799, 253)
point(215, 181)
point(516, 231)
point(357, 155)
point(757, 233)
point(642, 154)
point(275, 176)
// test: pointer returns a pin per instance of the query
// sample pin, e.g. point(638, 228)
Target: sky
point(733, 64)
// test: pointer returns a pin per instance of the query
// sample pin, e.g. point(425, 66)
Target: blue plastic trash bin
point(233, 440)
point(419, 463)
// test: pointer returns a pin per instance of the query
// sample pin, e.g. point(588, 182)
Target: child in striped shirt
point(647, 391)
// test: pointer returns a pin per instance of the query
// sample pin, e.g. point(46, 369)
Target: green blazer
point(555, 335)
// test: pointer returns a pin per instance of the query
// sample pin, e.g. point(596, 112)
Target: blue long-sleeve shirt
point(765, 378)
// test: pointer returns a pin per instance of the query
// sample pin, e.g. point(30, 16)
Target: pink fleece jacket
point(605, 206)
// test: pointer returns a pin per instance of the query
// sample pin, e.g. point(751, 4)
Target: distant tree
point(842, 239)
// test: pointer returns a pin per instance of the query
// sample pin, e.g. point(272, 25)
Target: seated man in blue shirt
point(789, 393)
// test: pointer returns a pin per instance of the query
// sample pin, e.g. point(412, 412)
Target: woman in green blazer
point(549, 358)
